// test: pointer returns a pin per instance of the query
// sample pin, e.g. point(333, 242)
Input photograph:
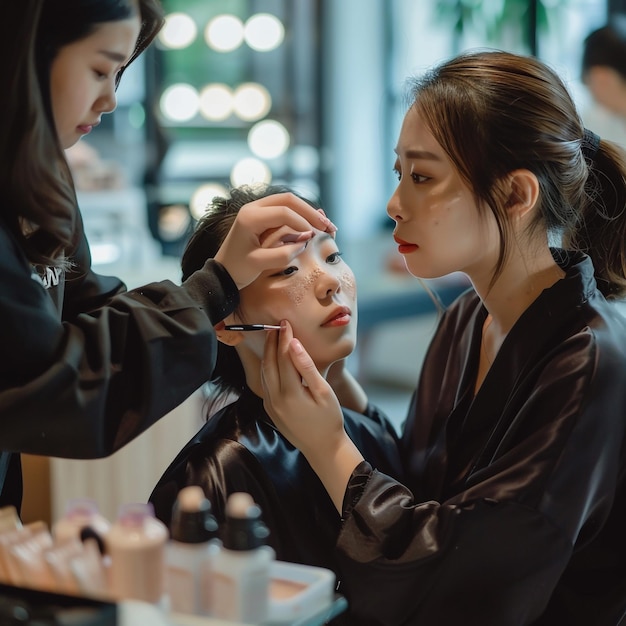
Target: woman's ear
point(523, 191)
point(228, 337)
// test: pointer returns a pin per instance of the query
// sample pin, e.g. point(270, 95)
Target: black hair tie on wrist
point(590, 144)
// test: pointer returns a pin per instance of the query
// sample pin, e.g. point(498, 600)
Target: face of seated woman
point(316, 293)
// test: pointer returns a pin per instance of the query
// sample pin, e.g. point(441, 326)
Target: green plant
point(495, 17)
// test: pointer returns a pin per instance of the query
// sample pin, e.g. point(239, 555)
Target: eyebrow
point(324, 237)
point(321, 238)
point(113, 56)
point(420, 154)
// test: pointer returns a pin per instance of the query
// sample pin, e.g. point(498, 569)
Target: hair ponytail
point(601, 228)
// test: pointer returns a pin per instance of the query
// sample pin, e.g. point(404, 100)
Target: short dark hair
point(606, 47)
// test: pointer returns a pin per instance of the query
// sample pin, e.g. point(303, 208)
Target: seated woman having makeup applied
point(239, 449)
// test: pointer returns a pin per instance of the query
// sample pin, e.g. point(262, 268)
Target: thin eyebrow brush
point(251, 327)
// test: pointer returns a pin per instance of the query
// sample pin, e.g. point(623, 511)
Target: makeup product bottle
point(241, 568)
point(80, 513)
point(25, 558)
point(188, 554)
point(9, 519)
point(136, 544)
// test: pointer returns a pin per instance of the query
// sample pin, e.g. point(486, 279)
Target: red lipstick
point(85, 129)
point(404, 247)
point(339, 317)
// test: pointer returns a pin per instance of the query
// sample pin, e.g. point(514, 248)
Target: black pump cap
point(244, 529)
point(192, 520)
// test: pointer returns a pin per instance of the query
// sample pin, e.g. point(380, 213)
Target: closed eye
point(288, 271)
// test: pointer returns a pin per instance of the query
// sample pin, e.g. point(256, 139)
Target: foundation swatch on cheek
point(348, 284)
point(300, 285)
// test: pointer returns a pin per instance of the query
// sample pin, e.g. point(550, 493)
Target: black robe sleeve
point(82, 381)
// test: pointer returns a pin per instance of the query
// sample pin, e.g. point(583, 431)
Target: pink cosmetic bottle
point(80, 513)
point(136, 544)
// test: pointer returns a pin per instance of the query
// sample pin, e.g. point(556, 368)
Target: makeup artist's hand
point(268, 233)
point(305, 409)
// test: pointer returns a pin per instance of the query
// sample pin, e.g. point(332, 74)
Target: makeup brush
point(251, 327)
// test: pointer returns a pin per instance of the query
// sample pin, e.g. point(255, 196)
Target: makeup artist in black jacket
point(86, 366)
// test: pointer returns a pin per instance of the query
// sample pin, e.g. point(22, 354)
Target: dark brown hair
point(228, 375)
point(39, 202)
point(494, 112)
point(606, 47)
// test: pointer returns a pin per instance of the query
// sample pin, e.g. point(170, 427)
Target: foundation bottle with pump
point(188, 556)
point(241, 569)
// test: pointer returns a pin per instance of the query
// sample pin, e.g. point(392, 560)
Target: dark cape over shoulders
point(239, 449)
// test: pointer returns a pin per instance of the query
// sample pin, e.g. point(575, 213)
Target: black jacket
point(86, 366)
point(514, 509)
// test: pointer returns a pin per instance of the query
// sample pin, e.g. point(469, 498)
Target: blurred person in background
point(603, 72)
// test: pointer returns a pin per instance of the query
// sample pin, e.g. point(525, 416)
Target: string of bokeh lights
point(250, 102)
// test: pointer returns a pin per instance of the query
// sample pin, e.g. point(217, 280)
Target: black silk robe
point(239, 449)
point(514, 508)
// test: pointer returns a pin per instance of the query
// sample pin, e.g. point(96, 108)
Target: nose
point(327, 285)
point(393, 206)
point(107, 102)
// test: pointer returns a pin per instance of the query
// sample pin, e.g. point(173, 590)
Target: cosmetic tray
point(298, 591)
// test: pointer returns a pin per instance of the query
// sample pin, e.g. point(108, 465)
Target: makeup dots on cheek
point(301, 285)
point(348, 283)
point(312, 277)
point(296, 292)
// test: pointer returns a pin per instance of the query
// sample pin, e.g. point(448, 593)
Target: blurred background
point(308, 93)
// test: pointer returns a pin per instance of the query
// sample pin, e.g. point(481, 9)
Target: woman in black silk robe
point(515, 504)
point(513, 509)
